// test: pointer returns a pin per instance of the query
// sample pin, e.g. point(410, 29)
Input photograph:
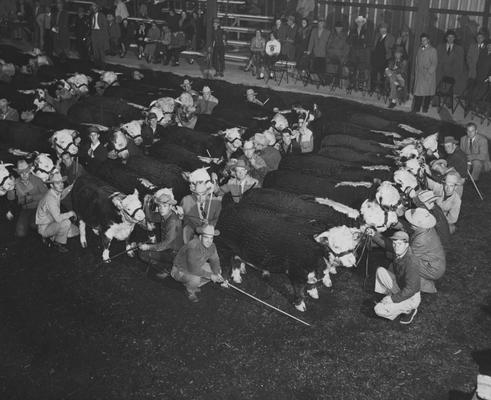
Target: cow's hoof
point(301, 307)
point(327, 282)
point(314, 293)
point(106, 260)
point(243, 268)
point(83, 244)
point(236, 276)
point(333, 270)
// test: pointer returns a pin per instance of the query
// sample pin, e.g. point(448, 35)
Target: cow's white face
point(387, 195)
point(7, 181)
point(43, 166)
point(431, 142)
point(376, 217)
point(340, 243)
point(130, 207)
point(409, 152)
point(120, 144)
point(405, 179)
point(133, 130)
point(279, 122)
point(79, 83)
point(199, 181)
point(413, 165)
point(65, 141)
point(167, 106)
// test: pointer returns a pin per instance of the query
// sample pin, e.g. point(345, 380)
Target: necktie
point(91, 153)
point(202, 209)
point(448, 49)
point(471, 145)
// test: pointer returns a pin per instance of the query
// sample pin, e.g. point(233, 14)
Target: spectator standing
point(280, 30)
point(218, 43)
point(196, 42)
point(359, 42)
point(288, 49)
point(163, 45)
point(451, 62)
point(99, 35)
point(143, 10)
point(318, 50)
point(186, 24)
point(38, 24)
point(81, 28)
point(476, 56)
point(424, 75)
point(121, 11)
point(173, 20)
point(302, 46)
point(381, 54)
point(59, 30)
point(114, 35)
point(338, 47)
point(405, 42)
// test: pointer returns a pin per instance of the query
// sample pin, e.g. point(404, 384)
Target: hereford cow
point(111, 213)
point(65, 141)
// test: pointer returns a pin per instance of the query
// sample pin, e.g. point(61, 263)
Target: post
point(211, 13)
point(485, 18)
point(422, 19)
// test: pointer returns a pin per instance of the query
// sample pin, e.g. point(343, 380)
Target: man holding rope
point(197, 262)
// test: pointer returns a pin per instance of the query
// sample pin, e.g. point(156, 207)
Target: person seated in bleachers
point(140, 36)
point(162, 50)
point(396, 74)
point(273, 50)
point(114, 35)
point(176, 46)
point(153, 36)
point(257, 47)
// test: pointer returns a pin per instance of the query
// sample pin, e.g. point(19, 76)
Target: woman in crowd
point(273, 50)
point(258, 44)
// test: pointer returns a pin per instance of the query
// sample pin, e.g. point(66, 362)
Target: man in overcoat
point(424, 75)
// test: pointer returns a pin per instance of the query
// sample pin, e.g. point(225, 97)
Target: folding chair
point(444, 91)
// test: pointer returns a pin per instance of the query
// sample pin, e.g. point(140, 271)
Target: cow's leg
point(330, 267)
point(311, 286)
point(326, 280)
point(298, 284)
point(236, 270)
point(106, 243)
point(83, 233)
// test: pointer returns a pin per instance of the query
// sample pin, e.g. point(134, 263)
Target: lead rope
point(369, 249)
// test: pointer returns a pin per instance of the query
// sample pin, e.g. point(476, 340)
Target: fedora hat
point(241, 164)
point(420, 218)
point(361, 18)
point(206, 89)
point(427, 196)
point(251, 92)
point(400, 235)
point(450, 139)
point(185, 82)
point(164, 198)
point(248, 145)
point(22, 166)
point(207, 230)
point(440, 162)
point(55, 176)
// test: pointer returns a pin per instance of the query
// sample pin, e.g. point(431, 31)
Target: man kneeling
point(197, 262)
point(51, 222)
point(400, 283)
point(161, 254)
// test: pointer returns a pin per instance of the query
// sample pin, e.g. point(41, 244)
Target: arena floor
point(75, 329)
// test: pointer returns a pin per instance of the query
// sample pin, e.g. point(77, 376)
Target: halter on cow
point(7, 182)
point(65, 141)
point(43, 166)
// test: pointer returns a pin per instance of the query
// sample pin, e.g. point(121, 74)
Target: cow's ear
point(185, 175)
point(117, 200)
point(135, 192)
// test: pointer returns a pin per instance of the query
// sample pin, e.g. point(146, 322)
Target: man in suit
point(59, 30)
point(381, 54)
point(475, 146)
point(476, 54)
point(99, 35)
point(318, 49)
point(451, 62)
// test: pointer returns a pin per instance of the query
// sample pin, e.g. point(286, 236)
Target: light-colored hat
point(427, 196)
point(162, 197)
point(400, 235)
point(248, 145)
point(185, 82)
point(206, 89)
point(251, 92)
point(55, 176)
point(22, 166)
point(241, 164)
point(440, 162)
point(207, 230)
point(270, 137)
point(454, 178)
point(259, 138)
point(361, 18)
point(199, 175)
point(421, 218)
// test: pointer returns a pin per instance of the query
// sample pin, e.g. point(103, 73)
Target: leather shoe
point(60, 248)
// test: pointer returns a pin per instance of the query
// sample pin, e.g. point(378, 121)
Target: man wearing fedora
point(251, 97)
point(206, 102)
point(427, 199)
point(51, 222)
point(426, 247)
point(381, 54)
point(475, 146)
point(7, 113)
point(456, 158)
point(28, 191)
point(439, 170)
point(257, 166)
point(400, 283)
point(96, 153)
point(240, 183)
point(162, 253)
point(197, 262)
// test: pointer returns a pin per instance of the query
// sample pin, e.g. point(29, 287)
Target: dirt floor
point(72, 329)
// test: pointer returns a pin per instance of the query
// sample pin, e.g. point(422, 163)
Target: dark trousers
point(421, 101)
point(25, 220)
point(98, 48)
point(159, 260)
point(319, 68)
point(175, 53)
point(81, 47)
point(219, 58)
point(377, 75)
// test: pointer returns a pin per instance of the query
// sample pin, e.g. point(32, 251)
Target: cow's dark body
point(199, 143)
point(24, 136)
point(175, 154)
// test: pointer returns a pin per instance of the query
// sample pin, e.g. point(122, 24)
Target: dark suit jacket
point(479, 148)
point(474, 54)
point(101, 34)
point(389, 44)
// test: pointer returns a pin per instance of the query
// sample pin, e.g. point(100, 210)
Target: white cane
point(475, 185)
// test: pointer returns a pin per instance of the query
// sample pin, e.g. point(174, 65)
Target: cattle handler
point(197, 262)
point(400, 282)
point(161, 254)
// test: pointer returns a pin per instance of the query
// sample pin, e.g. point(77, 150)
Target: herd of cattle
point(309, 217)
